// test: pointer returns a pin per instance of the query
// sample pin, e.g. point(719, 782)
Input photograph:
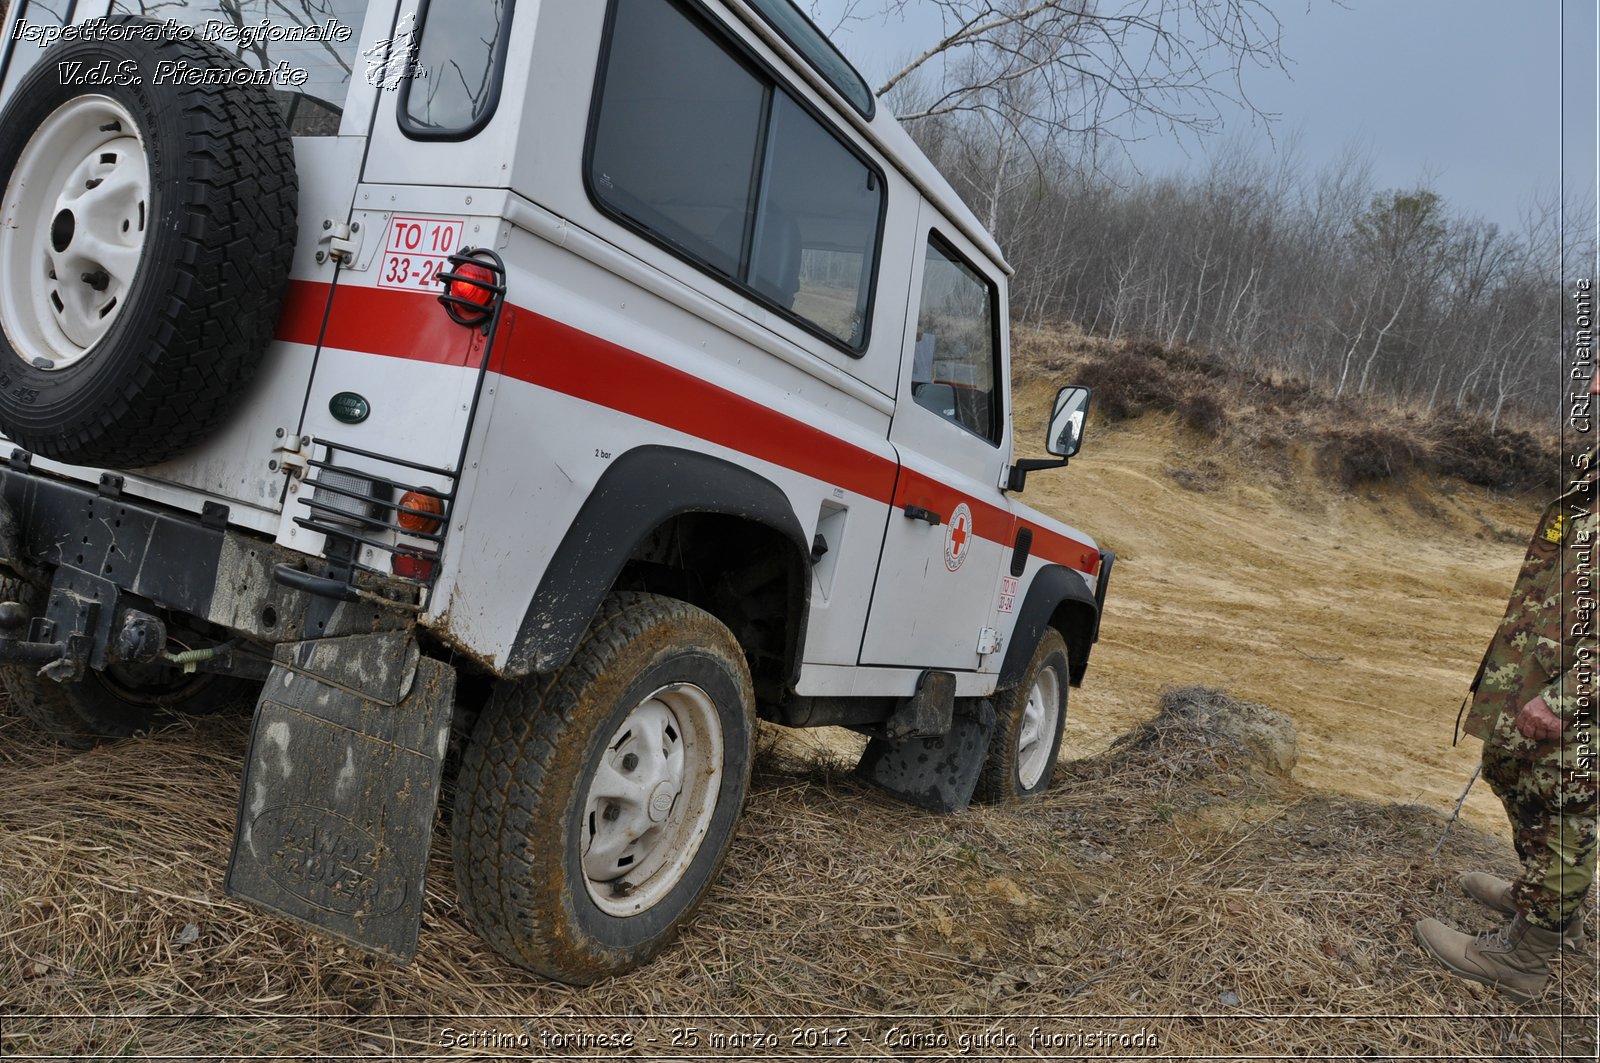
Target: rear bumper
point(81, 537)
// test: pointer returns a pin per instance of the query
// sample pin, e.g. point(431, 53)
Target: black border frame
point(745, 56)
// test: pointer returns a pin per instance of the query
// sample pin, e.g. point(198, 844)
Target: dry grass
point(1176, 886)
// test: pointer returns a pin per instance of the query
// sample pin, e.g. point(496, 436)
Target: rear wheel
point(1029, 719)
point(596, 805)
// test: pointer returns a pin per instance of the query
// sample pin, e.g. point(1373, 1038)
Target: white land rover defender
point(621, 362)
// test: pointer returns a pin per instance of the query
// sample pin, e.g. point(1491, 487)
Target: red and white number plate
point(416, 250)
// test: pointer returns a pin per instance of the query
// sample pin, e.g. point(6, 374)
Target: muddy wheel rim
point(1036, 736)
point(651, 798)
point(74, 225)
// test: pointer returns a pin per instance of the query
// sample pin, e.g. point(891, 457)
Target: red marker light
point(409, 566)
point(463, 288)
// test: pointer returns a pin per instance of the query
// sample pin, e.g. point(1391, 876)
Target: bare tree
point(1085, 66)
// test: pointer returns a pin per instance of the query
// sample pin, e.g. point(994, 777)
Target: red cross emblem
point(958, 537)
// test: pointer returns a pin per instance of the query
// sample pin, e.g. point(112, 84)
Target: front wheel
point(1029, 719)
point(596, 805)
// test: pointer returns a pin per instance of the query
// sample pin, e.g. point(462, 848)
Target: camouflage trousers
point(1552, 813)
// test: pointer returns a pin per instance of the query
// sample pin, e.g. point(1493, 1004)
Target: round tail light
point(463, 288)
point(419, 511)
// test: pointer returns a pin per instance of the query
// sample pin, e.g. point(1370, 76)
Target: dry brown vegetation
point(1177, 886)
point(1179, 881)
point(1268, 419)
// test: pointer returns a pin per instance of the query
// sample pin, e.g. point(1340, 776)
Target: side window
point(318, 37)
point(679, 127)
point(453, 88)
point(821, 198)
point(700, 149)
point(954, 369)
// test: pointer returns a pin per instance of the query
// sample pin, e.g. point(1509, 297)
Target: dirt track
point(1362, 616)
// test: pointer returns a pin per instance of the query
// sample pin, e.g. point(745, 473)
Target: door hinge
point(343, 240)
point(289, 454)
point(988, 641)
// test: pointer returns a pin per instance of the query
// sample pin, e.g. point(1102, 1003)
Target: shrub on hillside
point(1507, 460)
point(1203, 412)
point(1267, 414)
point(1129, 384)
point(1370, 453)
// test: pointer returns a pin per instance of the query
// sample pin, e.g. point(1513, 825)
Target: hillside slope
point(1362, 614)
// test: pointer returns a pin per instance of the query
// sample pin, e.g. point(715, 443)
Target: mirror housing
point(1063, 437)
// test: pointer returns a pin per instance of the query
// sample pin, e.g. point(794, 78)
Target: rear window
point(461, 54)
point(698, 147)
point(320, 37)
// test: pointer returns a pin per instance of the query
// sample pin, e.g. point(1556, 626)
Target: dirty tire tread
point(508, 795)
point(212, 304)
point(998, 782)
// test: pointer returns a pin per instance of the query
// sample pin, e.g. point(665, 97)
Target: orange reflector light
point(425, 503)
point(465, 289)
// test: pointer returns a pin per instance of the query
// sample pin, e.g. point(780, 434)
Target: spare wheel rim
point(74, 226)
point(651, 799)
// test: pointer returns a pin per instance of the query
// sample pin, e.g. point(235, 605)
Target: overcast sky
point(1465, 95)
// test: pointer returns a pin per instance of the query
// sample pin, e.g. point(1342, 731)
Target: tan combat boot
point(1495, 892)
point(1515, 960)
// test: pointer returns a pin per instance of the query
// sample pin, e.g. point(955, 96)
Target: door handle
point(918, 513)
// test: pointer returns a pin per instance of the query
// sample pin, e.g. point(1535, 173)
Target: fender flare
point(638, 492)
point(1056, 596)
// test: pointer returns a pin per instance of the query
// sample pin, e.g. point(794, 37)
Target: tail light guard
point(380, 507)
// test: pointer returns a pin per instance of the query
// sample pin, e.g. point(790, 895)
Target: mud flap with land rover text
point(340, 784)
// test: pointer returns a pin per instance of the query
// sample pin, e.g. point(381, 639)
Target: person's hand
point(1537, 722)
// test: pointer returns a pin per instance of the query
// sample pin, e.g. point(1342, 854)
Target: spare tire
point(146, 230)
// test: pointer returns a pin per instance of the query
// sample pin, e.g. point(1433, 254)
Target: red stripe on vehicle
point(557, 356)
point(550, 354)
point(375, 321)
point(300, 321)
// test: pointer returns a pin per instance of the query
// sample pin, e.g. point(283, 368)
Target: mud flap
point(340, 784)
point(938, 773)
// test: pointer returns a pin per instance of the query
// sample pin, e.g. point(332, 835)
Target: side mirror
point(1062, 438)
point(1065, 434)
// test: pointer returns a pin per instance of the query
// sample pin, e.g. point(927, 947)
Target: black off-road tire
point(204, 301)
point(520, 822)
point(1002, 780)
point(104, 706)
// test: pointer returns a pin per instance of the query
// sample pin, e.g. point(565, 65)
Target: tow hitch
point(126, 635)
